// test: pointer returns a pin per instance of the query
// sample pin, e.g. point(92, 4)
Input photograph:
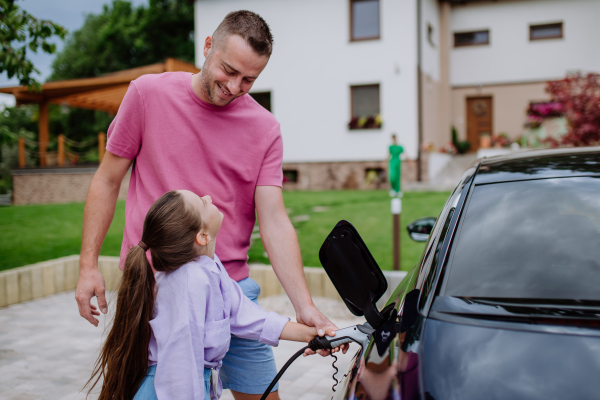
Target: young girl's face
point(210, 214)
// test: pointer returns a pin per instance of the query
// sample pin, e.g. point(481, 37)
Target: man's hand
point(97, 215)
point(312, 317)
point(90, 284)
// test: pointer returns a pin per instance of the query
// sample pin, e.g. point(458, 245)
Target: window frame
point(290, 172)
point(430, 32)
point(378, 85)
point(264, 92)
point(351, 24)
point(471, 44)
point(535, 39)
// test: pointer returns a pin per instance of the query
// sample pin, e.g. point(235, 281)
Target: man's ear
point(207, 45)
point(203, 238)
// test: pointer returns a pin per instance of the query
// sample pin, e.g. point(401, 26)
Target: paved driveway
point(47, 351)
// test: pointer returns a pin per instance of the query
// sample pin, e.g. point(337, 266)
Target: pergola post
point(43, 132)
point(21, 152)
point(101, 145)
point(61, 150)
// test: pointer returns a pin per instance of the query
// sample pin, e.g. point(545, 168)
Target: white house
point(475, 65)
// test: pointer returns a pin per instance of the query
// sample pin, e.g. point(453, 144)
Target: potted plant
point(485, 140)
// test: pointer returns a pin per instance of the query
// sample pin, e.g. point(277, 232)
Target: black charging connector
point(320, 343)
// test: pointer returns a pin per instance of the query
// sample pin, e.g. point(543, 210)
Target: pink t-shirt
point(180, 142)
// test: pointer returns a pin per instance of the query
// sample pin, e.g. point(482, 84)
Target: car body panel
point(453, 348)
point(472, 362)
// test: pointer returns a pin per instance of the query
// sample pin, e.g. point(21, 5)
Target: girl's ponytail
point(125, 352)
point(169, 235)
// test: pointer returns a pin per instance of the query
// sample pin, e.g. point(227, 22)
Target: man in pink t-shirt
point(204, 133)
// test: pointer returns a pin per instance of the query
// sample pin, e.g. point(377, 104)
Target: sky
point(68, 13)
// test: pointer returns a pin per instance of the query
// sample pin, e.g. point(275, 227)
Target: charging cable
point(360, 334)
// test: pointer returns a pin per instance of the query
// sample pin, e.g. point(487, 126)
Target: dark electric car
point(505, 302)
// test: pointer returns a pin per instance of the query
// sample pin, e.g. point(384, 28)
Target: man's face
point(230, 69)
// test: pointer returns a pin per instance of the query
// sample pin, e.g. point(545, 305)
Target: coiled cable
point(335, 373)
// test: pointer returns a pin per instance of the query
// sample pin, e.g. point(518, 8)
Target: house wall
point(512, 69)
point(435, 123)
point(511, 57)
point(313, 65)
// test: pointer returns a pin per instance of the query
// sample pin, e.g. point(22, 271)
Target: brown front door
point(479, 119)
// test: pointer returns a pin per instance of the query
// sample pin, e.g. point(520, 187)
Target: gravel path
point(47, 351)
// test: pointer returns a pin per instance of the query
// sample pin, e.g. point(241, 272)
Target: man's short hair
point(250, 26)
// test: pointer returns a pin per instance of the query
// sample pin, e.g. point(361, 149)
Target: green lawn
point(30, 234)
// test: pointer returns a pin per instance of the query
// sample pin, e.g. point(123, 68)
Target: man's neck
point(198, 88)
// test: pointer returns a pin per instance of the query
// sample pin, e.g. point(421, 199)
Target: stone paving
point(47, 351)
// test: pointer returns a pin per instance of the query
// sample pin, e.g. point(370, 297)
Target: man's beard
point(207, 78)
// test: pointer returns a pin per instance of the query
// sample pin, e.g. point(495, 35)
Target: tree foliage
point(579, 95)
point(123, 37)
point(20, 32)
point(14, 122)
point(120, 37)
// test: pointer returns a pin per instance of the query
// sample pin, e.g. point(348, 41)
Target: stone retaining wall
point(71, 184)
point(55, 185)
point(54, 276)
point(349, 175)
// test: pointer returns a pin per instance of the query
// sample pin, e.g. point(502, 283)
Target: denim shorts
point(146, 390)
point(249, 366)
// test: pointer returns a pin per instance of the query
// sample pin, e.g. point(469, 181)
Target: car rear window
point(537, 239)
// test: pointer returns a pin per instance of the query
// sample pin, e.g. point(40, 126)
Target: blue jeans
point(249, 366)
point(146, 390)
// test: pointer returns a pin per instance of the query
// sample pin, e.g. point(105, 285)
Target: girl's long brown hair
point(170, 229)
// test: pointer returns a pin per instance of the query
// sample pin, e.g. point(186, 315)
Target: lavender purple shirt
point(197, 308)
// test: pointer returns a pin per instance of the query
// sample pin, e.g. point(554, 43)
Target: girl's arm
point(298, 332)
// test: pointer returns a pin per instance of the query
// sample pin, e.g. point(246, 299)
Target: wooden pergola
point(103, 93)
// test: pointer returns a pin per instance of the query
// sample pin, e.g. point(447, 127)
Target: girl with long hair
point(172, 329)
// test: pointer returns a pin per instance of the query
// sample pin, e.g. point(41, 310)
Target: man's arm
point(281, 243)
point(97, 215)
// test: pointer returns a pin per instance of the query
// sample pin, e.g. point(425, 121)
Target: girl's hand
point(322, 353)
point(303, 333)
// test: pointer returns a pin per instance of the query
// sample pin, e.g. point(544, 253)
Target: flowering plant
point(449, 148)
point(579, 95)
point(545, 110)
point(501, 140)
point(534, 121)
point(368, 122)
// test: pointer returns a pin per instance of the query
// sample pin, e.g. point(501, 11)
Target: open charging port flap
point(354, 272)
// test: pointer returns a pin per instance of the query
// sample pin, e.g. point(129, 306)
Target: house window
point(430, 35)
point(375, 177)
point(365, 107)
point(290, 175)
point(262, 98)
point(546, 31)
point(471, 38)
point(364, 19)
